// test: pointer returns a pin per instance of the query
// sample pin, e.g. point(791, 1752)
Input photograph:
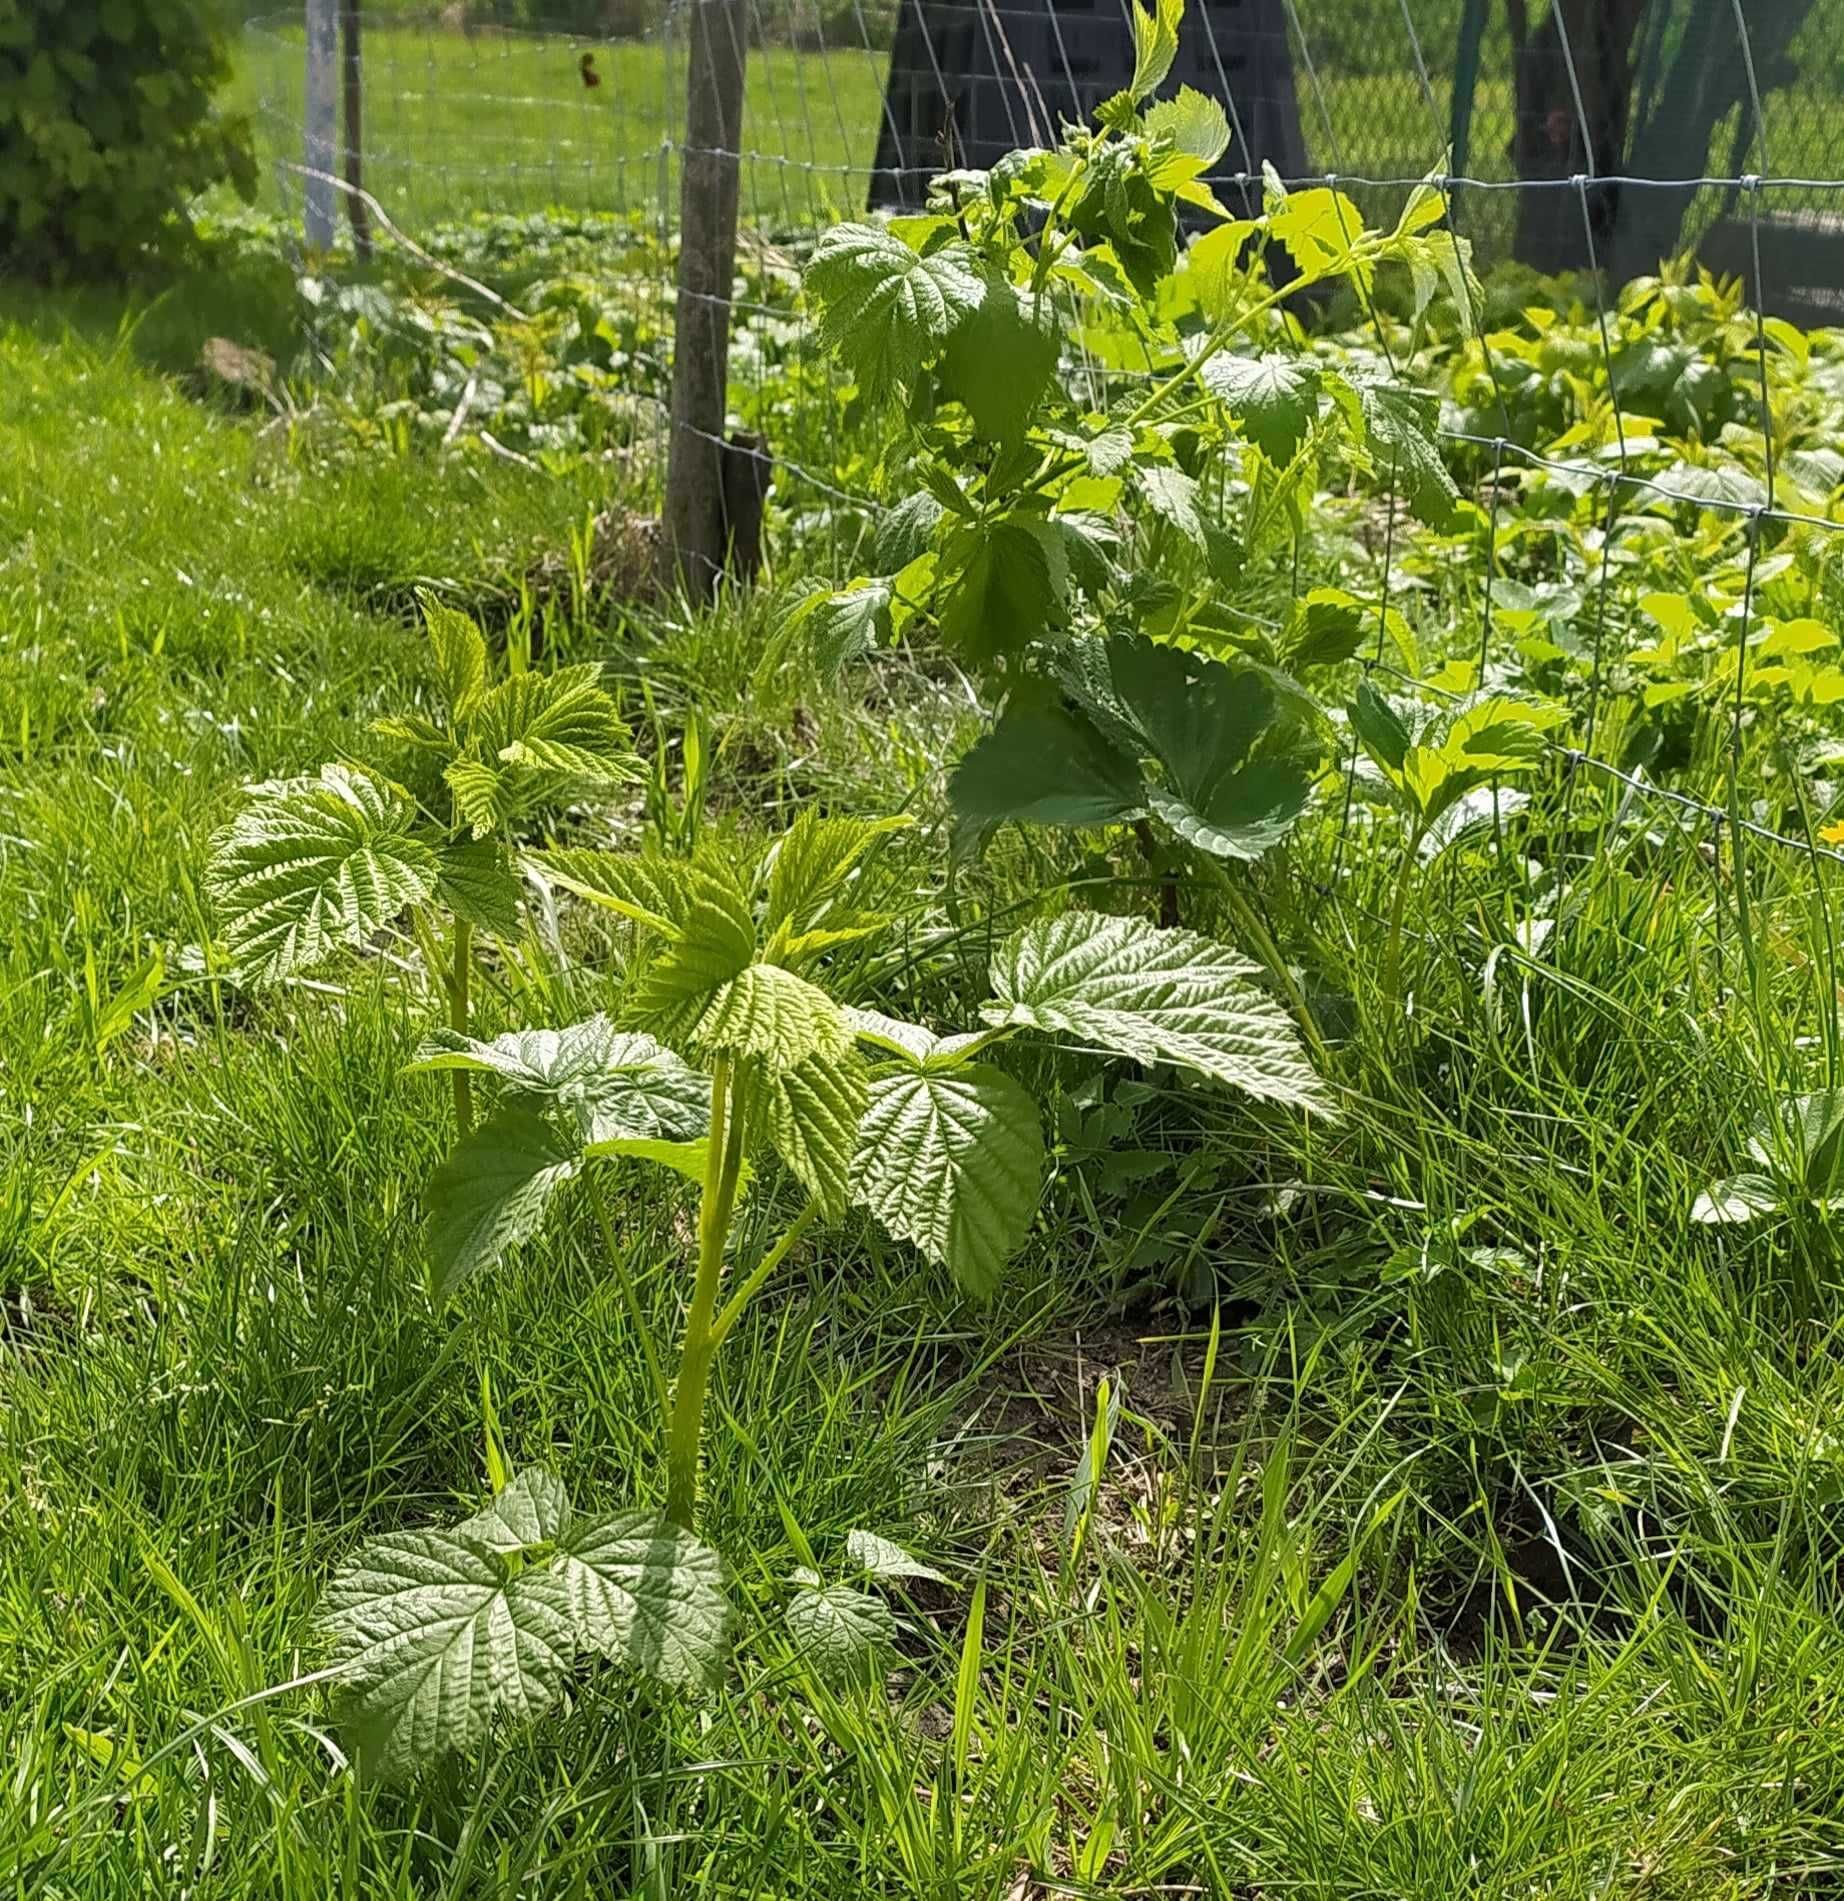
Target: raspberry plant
point(740, 1063)
point(1098, 433)
point(314, 864)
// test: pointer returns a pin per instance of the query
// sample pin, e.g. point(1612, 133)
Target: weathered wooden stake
point(710, 164)
point(352, 76)
point(322, 57)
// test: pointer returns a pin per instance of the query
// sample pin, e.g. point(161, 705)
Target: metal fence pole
point(322, 97)
point(710, 165)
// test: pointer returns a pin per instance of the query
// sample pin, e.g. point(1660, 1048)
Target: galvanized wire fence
point(469, 125)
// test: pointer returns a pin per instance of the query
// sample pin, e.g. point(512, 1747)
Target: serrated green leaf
point(643, 890)
point(815, 858)
point(712, 941)
point(812, 1112)
point(906, 532)
point(458, 652)
point(885, 309)
point(475, 882)
point(910, 1041)
point(1493, 737)
point(1005, 589)
point(999, 362)
point(1424, 206)
point(647, 1594)
point(310, 865)
point(1380, 729)
point(562, 722)
point(492, 1191)
point(1156, 996)
point(844, 626)
point(610, 1083)
point(1155, 45)
point(1401, 425)
point(1089, 545)
point(1325, 628)
point(1216, 264)
point(1196, 125)
point(842, 1634)
point(1236, 769)
point(852, 927)
point(436, 1638)
point(768, 1012)
point(1251, 813)
point(438, 1633)
point(484, 797)
point(412, 729)
point(952, 1162)
point(690, 1159)
point(1501, 732)
point(1045, 763)
point(1319, 227)
point(919, 1048)
point(1173, 496)
point(1107, 452)
point(883, 1559)
point(531, 1509)
point(1274, 399)
point(1441, 261)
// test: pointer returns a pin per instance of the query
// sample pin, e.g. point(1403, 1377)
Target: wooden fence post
point(710, 164)
point(352, 78)
point(322, 94)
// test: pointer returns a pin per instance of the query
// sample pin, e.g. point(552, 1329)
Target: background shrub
point(108, 128)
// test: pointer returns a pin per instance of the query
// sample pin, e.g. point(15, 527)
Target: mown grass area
point(1470, 1521)
point(500, 121)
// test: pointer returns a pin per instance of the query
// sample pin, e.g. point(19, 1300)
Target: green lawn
point(502, 122)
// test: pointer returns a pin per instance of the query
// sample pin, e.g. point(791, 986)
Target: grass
point(460, 122)
point(1477, 1533)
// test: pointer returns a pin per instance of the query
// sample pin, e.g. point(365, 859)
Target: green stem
point(685, 1428)
point(1046, 256)
point(733, 1307)
point(1219, 338)
point(460, 967)
point(1256, 935)
point(1392, 945)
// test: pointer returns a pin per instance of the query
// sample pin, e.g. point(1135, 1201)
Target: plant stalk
point(461, 963)
point(733, 1307)
point(1392, 944)
point(1256, 937)
point(685, 1428)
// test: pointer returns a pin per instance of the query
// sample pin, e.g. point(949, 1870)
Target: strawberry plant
point(330, 860)
point(741, 1063)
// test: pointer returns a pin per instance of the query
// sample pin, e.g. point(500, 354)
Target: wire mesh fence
point(1715, 133)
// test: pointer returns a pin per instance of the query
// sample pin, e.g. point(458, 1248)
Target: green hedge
point(108, 128)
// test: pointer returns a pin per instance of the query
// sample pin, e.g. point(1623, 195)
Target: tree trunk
point(1706, 81)
point(1557, 135)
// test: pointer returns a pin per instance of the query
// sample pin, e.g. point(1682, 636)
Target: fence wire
point(472, 126)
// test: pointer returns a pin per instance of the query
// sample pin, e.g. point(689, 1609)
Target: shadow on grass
point(165, 313)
